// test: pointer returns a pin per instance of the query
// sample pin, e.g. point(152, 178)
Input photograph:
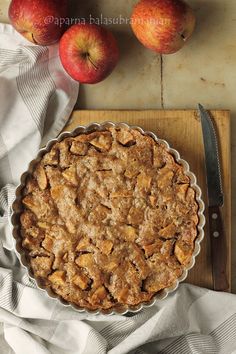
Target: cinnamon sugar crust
point(109, 219)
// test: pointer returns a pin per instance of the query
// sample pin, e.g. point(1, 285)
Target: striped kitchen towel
point(36, 99)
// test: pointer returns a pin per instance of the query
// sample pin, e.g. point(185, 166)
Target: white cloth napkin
point(36, 99)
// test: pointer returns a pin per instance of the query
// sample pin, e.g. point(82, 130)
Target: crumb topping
point(109, 219)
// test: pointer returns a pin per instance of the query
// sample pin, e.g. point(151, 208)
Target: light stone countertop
point(204, 71)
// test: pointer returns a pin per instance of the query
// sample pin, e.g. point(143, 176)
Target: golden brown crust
point(109, 219)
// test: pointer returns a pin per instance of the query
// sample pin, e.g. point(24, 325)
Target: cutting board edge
point(75, 113)
point(89, 111)
point(230, 199)
point(149, 110)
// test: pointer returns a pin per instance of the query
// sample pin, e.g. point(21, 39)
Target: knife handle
point(218, 249)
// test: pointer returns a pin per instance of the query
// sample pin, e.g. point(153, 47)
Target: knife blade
point(215, 202)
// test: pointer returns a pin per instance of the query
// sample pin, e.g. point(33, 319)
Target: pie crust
point(109, 219)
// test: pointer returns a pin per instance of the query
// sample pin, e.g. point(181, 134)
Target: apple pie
point(109, 219)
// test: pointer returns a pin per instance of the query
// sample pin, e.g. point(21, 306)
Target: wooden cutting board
point(182, 129)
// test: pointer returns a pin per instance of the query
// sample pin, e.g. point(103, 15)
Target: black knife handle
point(218, 249)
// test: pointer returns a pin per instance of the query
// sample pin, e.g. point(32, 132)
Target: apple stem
point(32, 35)
point(183, 36)
point(88, 56)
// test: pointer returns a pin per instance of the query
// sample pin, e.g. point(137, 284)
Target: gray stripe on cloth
point(6, 174)
point(225, 333)
point(193, 343)
point(201, 343)
point(96, 344)
point(26, 280)
point(10, 292)
point(180, 346)
point(3, 201)
point(8, 259)
point(30, 74)
point(115, 333)
point(216, 342)
point(10, 57)
point(7, 196)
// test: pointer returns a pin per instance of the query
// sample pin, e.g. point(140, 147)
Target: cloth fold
point(36, 99)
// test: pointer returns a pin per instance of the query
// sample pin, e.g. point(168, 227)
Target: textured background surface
point(204, 71)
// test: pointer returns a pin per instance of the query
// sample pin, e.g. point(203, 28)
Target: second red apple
point(88, 52)
point(163, 25)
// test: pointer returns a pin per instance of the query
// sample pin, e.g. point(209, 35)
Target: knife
point(215, 202)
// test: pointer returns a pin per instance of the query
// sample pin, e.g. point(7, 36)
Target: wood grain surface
point(182, 129)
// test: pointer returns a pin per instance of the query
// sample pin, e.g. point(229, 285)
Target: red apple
point(163, 25)
point(39, 21)
point(88, 52)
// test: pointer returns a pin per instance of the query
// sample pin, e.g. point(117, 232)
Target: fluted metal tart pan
point(17, 209)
